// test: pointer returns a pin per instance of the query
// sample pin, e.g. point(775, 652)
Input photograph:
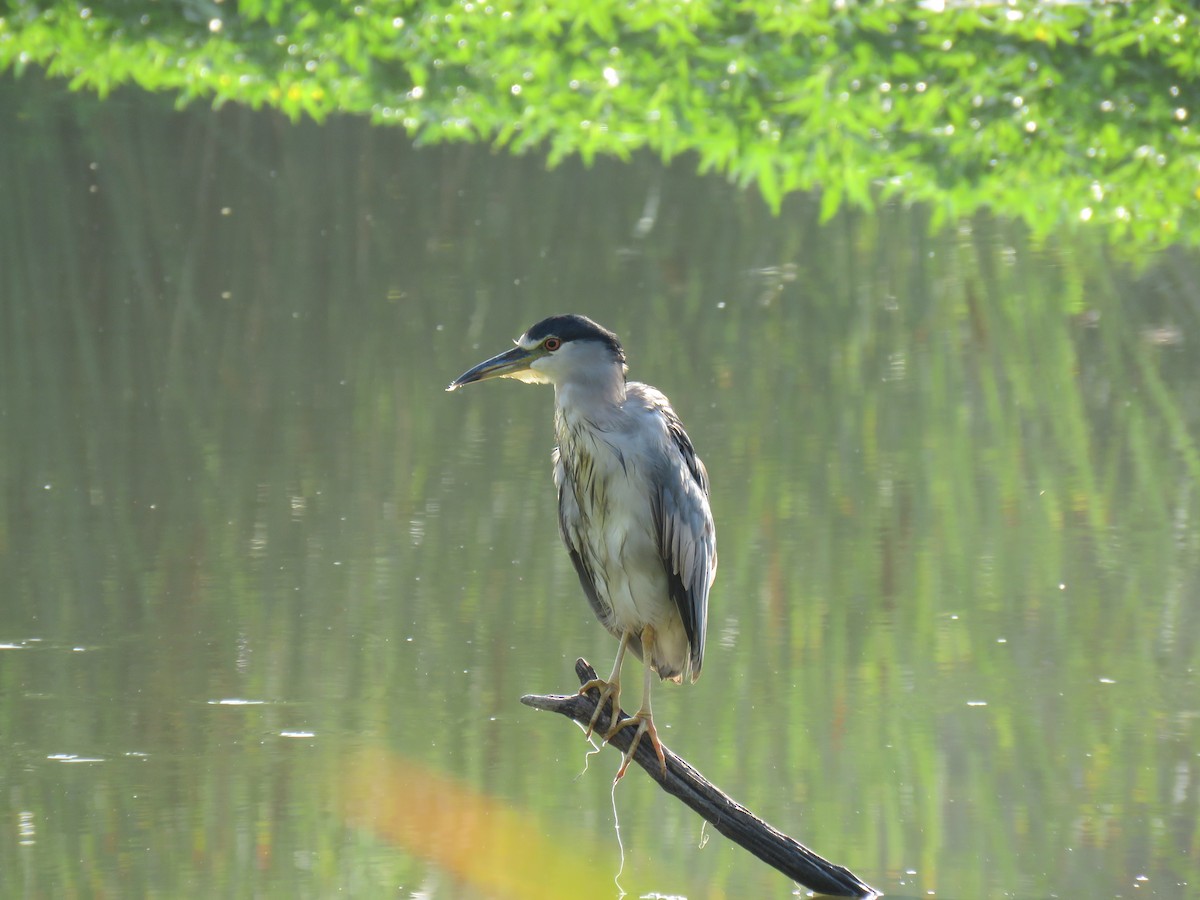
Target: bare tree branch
point(729, 817)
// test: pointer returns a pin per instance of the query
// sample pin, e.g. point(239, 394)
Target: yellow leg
point(610, 689)
point(642, 718)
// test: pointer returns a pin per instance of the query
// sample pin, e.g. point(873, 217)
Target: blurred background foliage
point(1064, 115)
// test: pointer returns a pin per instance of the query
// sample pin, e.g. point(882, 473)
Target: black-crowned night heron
point(632, 504)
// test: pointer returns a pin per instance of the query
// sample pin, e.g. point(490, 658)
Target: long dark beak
point(508, 364)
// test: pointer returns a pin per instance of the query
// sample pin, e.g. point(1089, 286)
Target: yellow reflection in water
point(478, 839)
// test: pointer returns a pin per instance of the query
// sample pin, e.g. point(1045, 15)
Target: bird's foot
point(609, 690)
point(645, 726)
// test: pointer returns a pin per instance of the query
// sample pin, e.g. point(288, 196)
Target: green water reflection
point(270, 593)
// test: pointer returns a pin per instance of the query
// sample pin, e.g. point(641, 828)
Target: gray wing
point(687, 538)
point(571, 525)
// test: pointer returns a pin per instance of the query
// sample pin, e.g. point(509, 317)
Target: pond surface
point(272, 596)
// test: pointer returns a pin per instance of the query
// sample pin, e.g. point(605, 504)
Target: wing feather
point(687, 537)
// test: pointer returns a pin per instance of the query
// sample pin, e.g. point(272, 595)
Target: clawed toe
point(645, 726)
point(610, 691)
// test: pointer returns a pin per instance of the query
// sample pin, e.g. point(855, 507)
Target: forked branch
point(726, 815)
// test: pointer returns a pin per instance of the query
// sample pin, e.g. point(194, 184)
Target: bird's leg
point(642, 718)
point(610, 689)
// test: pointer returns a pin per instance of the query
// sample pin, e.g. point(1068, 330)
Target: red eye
point(552, 344)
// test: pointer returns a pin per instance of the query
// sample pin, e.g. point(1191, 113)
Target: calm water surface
point(271, 595)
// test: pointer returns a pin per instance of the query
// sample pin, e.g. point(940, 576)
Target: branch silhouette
point(725, 814)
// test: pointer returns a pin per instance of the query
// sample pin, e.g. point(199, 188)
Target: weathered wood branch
point(729, 817)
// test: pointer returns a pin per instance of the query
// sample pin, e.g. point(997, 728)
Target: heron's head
point(556, 350)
